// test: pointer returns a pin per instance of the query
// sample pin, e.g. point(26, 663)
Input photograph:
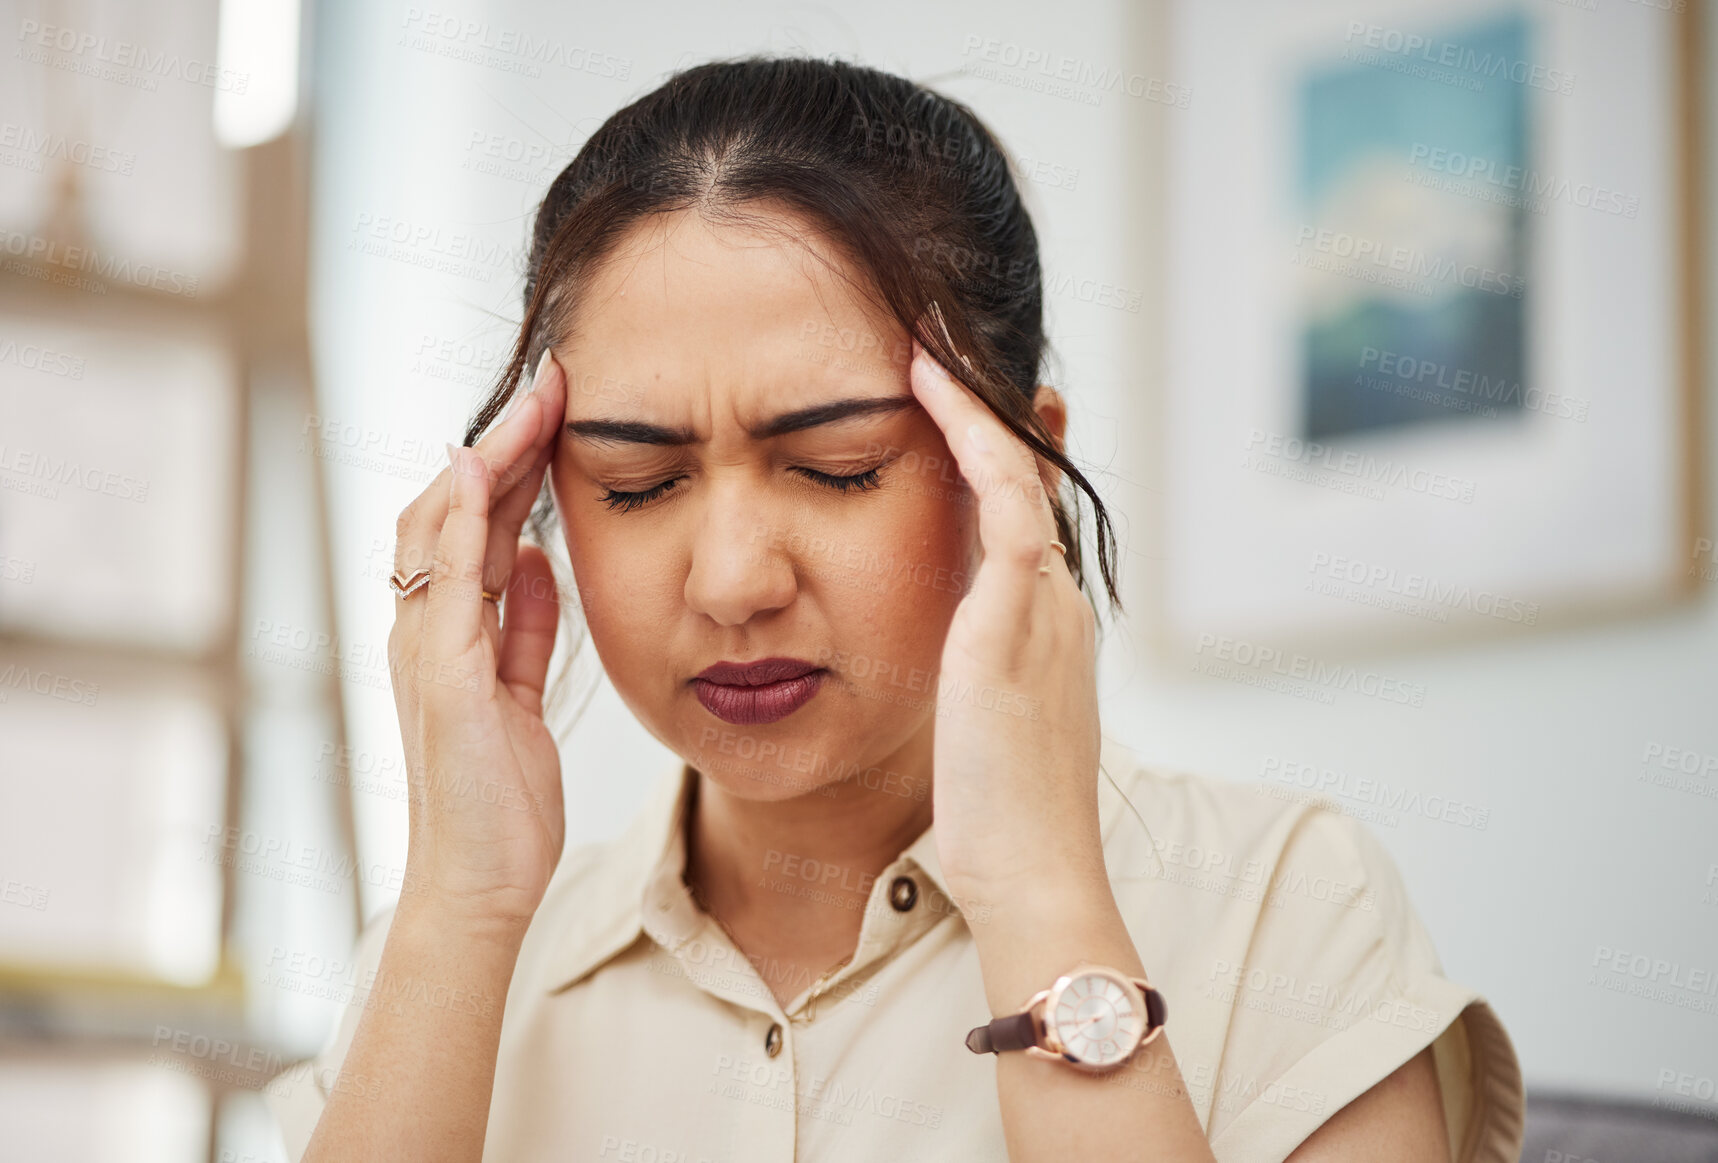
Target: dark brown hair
point(907, 184)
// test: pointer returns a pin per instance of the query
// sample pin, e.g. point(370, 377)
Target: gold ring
point(406, 586)
point(1057, 545)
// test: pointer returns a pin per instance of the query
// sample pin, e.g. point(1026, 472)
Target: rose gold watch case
point(1044, 1002)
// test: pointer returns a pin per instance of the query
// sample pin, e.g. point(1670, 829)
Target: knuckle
point(447, 569)
point(1022, 548)
point(406, 521)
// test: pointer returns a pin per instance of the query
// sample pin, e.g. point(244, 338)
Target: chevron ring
point(407, 586)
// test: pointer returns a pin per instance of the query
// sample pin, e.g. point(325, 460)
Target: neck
point(790, 878)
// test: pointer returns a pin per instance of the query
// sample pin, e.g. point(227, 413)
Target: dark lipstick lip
point(759, 673)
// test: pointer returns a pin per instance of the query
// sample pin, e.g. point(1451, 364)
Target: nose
point(741, 566)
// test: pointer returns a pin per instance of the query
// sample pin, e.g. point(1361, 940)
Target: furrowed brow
point(637, 432)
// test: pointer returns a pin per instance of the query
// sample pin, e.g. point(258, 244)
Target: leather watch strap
point(1014, 1032)
point(1156, 1009)
point(1018, 1031)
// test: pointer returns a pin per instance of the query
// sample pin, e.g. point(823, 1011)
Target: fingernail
point(542, 363)
point(939, 375)
point(453, 457)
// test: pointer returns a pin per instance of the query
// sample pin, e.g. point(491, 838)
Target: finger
point(507, 450)
point(505, 522)
point(513, 507)
point(453, 610)
point(528, 634)
point(1015, 523)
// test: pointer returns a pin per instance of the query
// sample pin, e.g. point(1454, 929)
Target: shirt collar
point(595, 909)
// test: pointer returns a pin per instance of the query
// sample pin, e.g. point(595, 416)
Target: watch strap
point(1018, 1031)
point(1156, 1009)
point(1014, 1032)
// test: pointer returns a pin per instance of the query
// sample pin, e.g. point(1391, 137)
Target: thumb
point(528, 629)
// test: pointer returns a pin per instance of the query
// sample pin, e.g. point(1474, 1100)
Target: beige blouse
point(1296, 972)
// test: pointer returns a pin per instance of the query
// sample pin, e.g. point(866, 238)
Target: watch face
point(1096, 1020)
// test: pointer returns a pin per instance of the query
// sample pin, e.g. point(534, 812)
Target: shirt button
point(903, 893)
point(772, 1040)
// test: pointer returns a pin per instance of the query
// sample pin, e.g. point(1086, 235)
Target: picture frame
point(1431, 364)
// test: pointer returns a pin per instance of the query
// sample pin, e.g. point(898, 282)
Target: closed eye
point(625, 502)
point(858, 482)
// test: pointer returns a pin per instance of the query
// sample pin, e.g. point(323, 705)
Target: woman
point(784, 318)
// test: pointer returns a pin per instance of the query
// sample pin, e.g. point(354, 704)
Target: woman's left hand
point(1017, 737)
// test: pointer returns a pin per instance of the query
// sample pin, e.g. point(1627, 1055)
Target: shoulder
point(1178, 826)
point(1304, 971)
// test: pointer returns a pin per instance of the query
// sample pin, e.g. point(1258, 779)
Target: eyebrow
point(637, 432)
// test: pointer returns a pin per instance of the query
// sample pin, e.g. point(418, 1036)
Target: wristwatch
point(1093, 1018)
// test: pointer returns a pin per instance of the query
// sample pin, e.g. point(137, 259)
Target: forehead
point(747, 309)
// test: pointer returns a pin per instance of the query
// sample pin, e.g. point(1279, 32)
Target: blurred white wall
point(434, 141)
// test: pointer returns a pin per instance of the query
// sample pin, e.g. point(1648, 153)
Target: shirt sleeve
point(1340, 985)
point(298, 1094)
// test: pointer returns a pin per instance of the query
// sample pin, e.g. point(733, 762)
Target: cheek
point(925, 545)
point(607, 567)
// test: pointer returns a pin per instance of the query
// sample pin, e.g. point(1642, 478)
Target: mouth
point(749, 693)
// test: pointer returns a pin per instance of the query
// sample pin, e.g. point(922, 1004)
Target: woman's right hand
point(485, 776)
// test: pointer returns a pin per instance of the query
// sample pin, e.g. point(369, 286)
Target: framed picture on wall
point(1430, 366)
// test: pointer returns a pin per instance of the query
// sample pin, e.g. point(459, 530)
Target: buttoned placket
point(897, 912)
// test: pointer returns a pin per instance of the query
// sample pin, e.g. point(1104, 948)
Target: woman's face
point(746, 475)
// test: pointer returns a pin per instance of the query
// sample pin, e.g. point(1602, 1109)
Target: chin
point(759, 762)
point(762, 784)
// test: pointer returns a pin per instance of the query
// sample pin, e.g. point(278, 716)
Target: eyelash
point(859, 482)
